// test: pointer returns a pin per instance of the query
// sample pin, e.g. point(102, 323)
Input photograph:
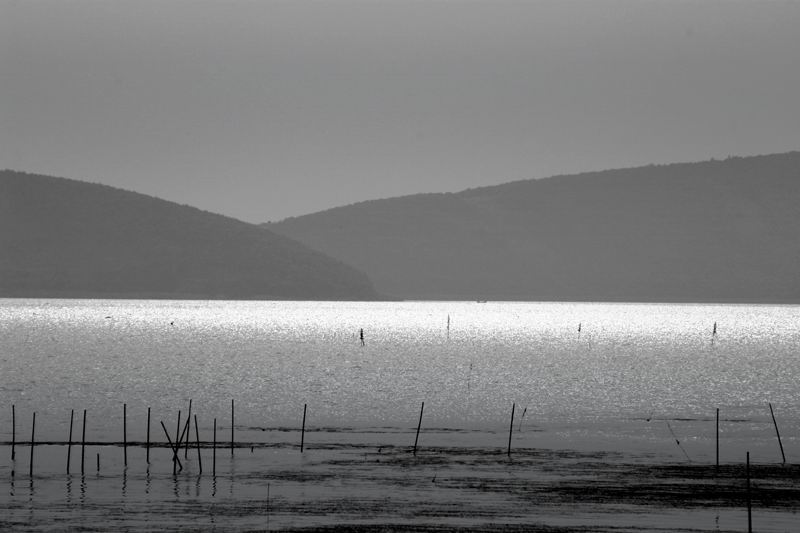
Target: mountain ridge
point(720, 230)
point(64, 237)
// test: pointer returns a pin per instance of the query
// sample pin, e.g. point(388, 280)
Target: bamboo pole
point(13, 431)
point(33, 442)
point(178, 434)
point(147, 444)
point(188, 420)
point(174, 448)
point(197, 435)
point(778, 433)
point(232, 426)
point(69, 443)
point(125, 433)
point(419, 425)
point(717, 439)
point(749, 501)
point(214, 451)
point(83, 441)
point(184, 433)
point(178, 437)
point(303, 431)
point(511, 428)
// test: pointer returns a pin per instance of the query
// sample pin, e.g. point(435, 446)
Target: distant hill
point(61, 237)
point(717, 231)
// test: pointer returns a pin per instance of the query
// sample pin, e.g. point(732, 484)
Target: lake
point(640, 379)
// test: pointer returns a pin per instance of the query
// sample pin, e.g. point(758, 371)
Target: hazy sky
point(262, 110)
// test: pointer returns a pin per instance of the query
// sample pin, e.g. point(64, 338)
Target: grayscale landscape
point(400, 265)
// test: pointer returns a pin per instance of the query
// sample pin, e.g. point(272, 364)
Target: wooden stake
point(98, 462)
point(13, 431)
point(69, 443)
point(303, 431)
point(197, 435)
point(231, 426)
point(175, 449)
point(419, 424)
point(717, 439)
point(188, 420)
point(147, 445)
point(511, 428)
point(83, 440)
point(214, 451)
point(749, 504)
point(125, 432)
point(178, 433)
point(185, 432)
point(33, 443)
point(783, 456)
point(178, 437)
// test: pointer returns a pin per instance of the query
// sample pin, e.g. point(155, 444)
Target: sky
point(263, 110)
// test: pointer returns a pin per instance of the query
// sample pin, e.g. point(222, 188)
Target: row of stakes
point(184, 433)
point(182, 437)
point(177, 465)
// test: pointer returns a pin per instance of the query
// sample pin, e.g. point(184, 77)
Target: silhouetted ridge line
point(70, 238)
point(714, 231)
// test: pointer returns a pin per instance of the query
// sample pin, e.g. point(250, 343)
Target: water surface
point(597, 388)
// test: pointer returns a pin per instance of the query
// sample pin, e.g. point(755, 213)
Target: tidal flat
point(371, 480)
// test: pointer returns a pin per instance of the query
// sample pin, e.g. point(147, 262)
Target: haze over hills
point(61, 237)
point(716, 231)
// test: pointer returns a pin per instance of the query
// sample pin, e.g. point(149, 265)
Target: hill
point(716, 231)
point(61, 237)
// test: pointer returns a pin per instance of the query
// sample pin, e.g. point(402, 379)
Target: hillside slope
point(712, 231)
point(61, 237)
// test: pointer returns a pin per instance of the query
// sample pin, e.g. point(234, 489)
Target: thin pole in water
point(232, 426)
point(511, 428)
point(718, 439)
point(778, 433)
point(33, 443)
point(98, 462)
point(69, 443)
point(188, 420)
point(197, 435)
point(13, 431)
point(175, 449)
point(147, 445)
point(83, 441)
point(125, 433)
point(178, 434)
point(419, 425)
point(214, 451)
point(185, 431)
point(178, 437)
point(749, 503)
point(303, 431)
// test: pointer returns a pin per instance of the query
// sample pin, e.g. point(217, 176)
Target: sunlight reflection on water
point(628, 360)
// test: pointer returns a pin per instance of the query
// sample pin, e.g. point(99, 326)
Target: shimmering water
point(643, 380)
point(627, 362)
